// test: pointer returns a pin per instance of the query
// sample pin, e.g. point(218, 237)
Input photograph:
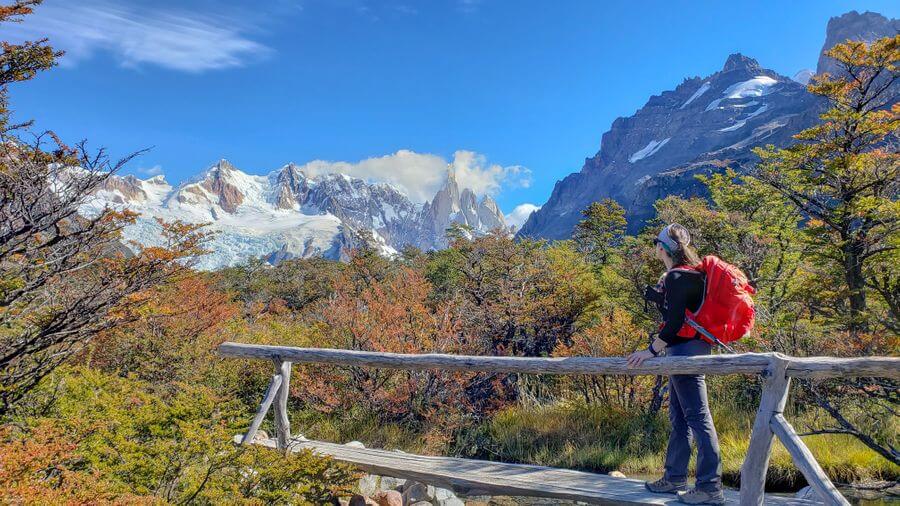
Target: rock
point(358, 500)
point(355, 444)
point(388, 498)
point(415, 492)
point(617, 474)
point(450, 501)
point(807, 493)
point(391, 483)
point(261, 435)
point(443, 493)
point(421, 503)
point(368, 484)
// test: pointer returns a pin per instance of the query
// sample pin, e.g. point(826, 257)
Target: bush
point(177, 449)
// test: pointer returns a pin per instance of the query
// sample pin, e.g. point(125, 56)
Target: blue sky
point(523, 89)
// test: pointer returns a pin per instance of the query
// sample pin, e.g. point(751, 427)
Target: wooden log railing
point(776, 369)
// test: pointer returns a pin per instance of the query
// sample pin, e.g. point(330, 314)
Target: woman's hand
point(637, 358)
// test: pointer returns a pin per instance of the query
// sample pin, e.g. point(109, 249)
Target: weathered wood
point(833, 367)
point(756, 462)
point(263, 408)
point(282, 422)
point(806, 462)
point(478, 477)
point(745, 363)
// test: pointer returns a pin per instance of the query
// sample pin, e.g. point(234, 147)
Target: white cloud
point(520, 214)
point(151, 171)
point(421, 175)
point(174, 39)
point(473, 171)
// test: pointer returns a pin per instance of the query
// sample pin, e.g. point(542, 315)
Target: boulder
point(391, 483)
point(388, 498)
point(450, 501)
point(358, 500)
point(415, 492)
point(443, 493)
point(617, 474)
point(368, 484)
point(355, 444)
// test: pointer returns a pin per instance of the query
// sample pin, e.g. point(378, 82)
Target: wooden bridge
point(477, 477)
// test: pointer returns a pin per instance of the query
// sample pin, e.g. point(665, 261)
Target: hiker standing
point(681, 290)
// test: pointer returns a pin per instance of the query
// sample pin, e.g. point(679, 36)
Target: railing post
point(806, 462)
point(282, 423)
point(268, 398)
point(772, 401)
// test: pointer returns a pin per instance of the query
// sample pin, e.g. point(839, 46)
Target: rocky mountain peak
point(737, 61)
point(291, 187)
point(867, 27)
point(700, 127)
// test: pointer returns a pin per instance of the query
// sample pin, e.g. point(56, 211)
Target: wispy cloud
point(468, 6)
point(421, 175)
point(151, 171)
point(136, 36)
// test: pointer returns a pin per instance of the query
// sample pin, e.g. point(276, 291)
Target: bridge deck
point(479, 477)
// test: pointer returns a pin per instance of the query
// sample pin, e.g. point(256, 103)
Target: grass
point(575, 435)
point(600, 439)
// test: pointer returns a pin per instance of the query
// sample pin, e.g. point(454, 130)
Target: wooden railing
point(776, 369)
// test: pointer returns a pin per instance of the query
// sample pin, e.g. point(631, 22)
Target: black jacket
point(682, 289)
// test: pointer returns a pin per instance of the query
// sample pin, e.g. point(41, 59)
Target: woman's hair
point(684, 253)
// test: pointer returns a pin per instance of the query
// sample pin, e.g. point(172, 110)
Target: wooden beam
point(833, 367)
point(282, 422)
point(806, 462)
point(745, 363)
point(756, 462)
point(263, 408)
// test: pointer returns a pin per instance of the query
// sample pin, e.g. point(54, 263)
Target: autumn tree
point(601, 230)
point(844, 176)
point(64, 272)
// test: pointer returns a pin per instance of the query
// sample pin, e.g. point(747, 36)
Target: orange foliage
point(42, 469)
point(178, 324)
point(614, 335)
point(390, 313)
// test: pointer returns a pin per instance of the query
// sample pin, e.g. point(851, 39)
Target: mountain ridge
point(703, 125)
point(288, 213)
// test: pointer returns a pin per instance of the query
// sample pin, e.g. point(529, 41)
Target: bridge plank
point(478, 477)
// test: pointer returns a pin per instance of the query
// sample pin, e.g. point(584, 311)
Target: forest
point(112, 391)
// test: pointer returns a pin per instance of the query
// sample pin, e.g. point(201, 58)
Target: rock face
point(702, 126)
point(452, 206)
point(867, 27)
point(289, 214)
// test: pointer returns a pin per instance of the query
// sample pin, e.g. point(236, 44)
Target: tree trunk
point(853, 275)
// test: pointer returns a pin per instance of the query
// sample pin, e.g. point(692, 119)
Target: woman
point(682, 289)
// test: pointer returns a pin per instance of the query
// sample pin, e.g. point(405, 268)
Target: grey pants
point(689, 413)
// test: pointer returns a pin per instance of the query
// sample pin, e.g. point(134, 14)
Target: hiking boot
point(664, 486)
point(694, 496)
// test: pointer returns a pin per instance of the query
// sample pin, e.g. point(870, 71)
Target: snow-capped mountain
point(288, 213)
point(702, 126)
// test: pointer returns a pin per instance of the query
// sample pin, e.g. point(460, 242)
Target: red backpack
point(726, 313)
